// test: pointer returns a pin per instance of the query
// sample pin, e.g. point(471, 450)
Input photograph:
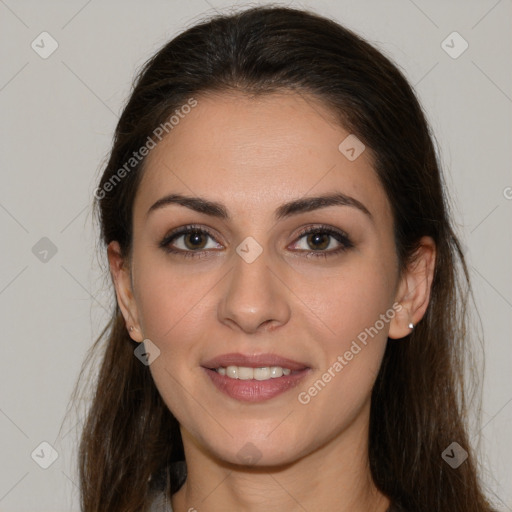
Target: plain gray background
point(58, 116)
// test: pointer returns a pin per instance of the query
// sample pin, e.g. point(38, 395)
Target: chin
point(257, 451)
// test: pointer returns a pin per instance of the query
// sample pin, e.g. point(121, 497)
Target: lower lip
point(255, 390)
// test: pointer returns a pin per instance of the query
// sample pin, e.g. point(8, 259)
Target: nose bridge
point(253, 296)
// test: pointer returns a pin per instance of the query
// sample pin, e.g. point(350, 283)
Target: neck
point(335, 476)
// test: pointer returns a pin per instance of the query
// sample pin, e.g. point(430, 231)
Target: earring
point(130, 328)
point(411, 325)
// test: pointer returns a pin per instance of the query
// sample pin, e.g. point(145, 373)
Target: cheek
point(170, 298)
point(350, 301)
point(355, 308)
point(174, 307)
point(356, 312)
point(172, 314)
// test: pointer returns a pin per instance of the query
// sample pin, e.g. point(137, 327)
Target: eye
point(192, 241)
point(188, 240)
point(321, 238)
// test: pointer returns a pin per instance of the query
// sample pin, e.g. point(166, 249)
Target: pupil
point(195, 239)
point(316, 239)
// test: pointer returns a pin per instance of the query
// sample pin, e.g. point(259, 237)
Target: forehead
point(254, 153)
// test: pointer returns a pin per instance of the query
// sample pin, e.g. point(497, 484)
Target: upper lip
point(253, 361)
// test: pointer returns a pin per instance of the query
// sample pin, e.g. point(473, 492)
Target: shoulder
point(160, 504)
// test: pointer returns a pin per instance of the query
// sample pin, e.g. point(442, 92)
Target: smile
point(252, 389)
point(247, 373)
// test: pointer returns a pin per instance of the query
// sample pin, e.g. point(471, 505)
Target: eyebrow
point(295, 207)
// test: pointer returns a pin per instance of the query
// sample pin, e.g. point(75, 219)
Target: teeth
point(246, 373)
point(262, 373)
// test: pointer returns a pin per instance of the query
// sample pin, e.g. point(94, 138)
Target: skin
point(252, 155)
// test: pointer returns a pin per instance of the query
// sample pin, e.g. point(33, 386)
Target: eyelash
point(340, 236)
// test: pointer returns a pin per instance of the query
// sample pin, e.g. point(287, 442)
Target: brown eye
point(318, 240)
point(195, 240)
point(323, 241)
point(189, 240)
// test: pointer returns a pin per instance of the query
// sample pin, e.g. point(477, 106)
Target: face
point(259, 289)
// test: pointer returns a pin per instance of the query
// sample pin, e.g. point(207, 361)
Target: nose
point(255, 297)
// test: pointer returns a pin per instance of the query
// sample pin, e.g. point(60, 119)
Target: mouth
point(248, 373)
point(254, 378)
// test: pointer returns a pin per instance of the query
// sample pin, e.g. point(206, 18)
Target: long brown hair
point(130, 440)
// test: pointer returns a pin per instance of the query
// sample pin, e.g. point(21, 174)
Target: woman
point(289, 320)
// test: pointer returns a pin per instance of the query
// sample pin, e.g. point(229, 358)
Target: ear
point(413, 291)
point(120, 273)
